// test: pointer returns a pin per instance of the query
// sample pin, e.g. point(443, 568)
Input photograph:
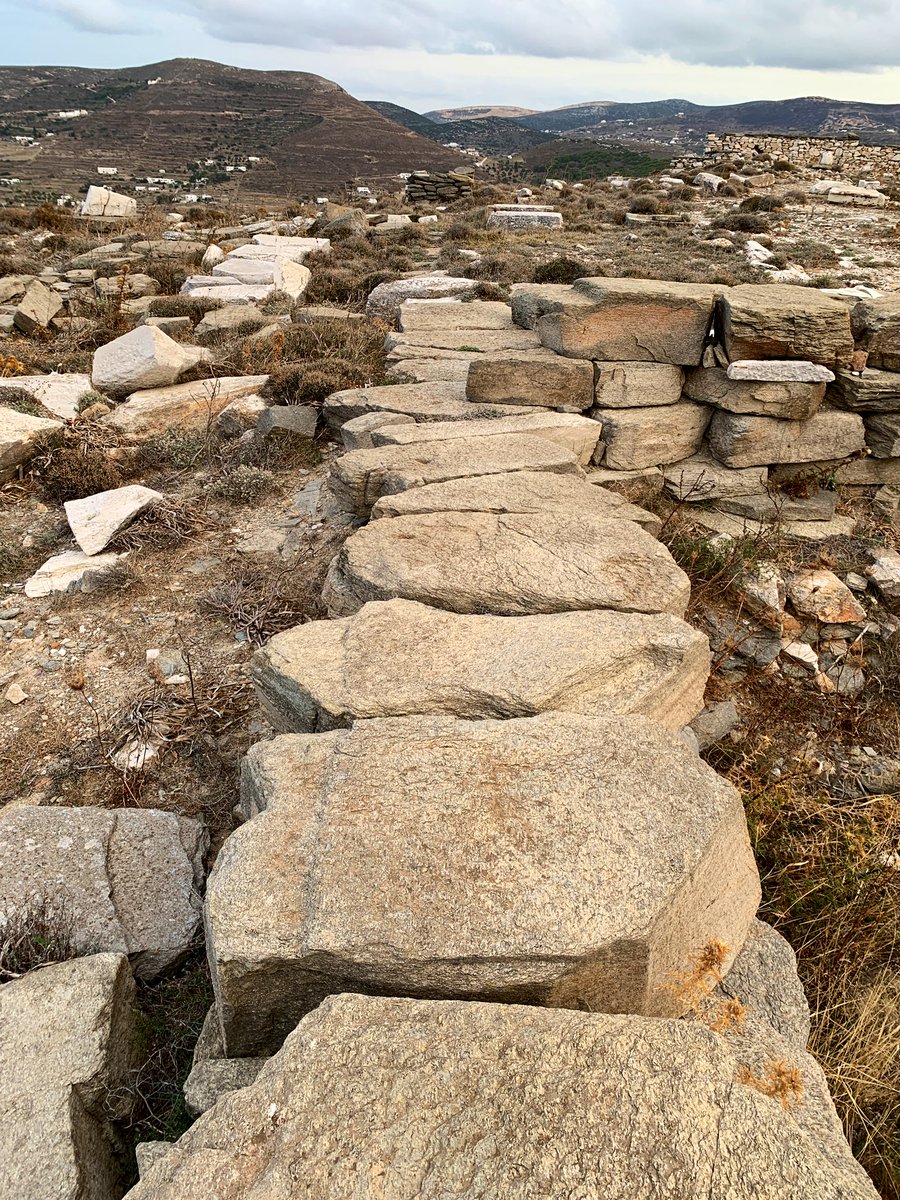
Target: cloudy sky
point(536, 53)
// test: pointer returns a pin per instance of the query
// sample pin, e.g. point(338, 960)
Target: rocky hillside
point(189, 119)
point(493, 135)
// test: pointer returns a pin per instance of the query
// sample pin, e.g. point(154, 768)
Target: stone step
point(575, 433)
point(425, 315)
point(480, 341)
point(421, 401)
point(561, 860)
point(511, 564)
point(327, 674)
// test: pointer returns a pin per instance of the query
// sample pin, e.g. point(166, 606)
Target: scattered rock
point(297, 419)
point(144, 358)
point(385, 300)
point(72, 571)
point(820, 594)
point(18, 433)
point(37, 308)
point(885, 573)
point(95, 520)
point(714, 723)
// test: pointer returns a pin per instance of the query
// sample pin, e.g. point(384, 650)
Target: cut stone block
point(144, 358)
point(516, 222)
point(95, 520)
point(747, 441)
point(60, 394)
point(444, 401)
point(649, 437)
point(437, 1101)
point(232, 319)
point(37, 308)
point(18, 433)
point(854, 472)
point(873, 391)
point(778, 506)
point(783, 321)
point(632, 320)
point(129, 877)
point(101, 202)
point(638, 384)
point(793, 401)
point(702, 477)
point(474, 341)
point(575, 433)
point(519, 492)
point(537, 377)
point(425, 364)
point(185, 405)
point(876, 323)
point(883, 435)
point(773, 371)
point(67, 1048)
point(384, 301)
point(764, 978)
point(511, 564)
point(358, 479)
point(291, 279)
point(71, 571)
point(513, 864)
point(245, 270)
point(356, 434)
point(227, 289)
point(328, 674)
point(300, 420)
point(421, 315)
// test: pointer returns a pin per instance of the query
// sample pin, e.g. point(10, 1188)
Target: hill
point(491, 135)
point(294, 133)
point(573, 161)
point(474, 112)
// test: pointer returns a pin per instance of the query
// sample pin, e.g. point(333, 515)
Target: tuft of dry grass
point(694, 990)
point(165, 523)
point(780, 1080)
point(36, 934)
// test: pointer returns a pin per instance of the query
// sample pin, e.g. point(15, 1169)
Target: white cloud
point(97, 16)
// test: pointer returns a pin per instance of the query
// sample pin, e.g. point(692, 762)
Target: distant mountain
point(490, 135)
point(475, 111)
point(295, 134)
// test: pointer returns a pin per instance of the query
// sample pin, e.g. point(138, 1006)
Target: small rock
point(95, 520)
point(15, 695)
point(820, 594)
point(885, 573)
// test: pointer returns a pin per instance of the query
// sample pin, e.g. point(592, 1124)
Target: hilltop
point(490, 134)
point(304, 133)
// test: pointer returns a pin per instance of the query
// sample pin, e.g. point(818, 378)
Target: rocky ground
point(238, 410)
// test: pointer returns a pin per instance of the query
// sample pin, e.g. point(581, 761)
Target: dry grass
point(36, 934)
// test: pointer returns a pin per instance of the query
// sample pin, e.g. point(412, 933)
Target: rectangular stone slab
point(748, 441)
point(537, 377)
point(650, 437)
point(357, 479)
point(479, 341)
point(509, 563)
point(575, 433)
point(783, 321)
point(702, 477)
point(876, 325)
point(184, 404)
point(873, 391)
point(519, 492)
point(793, 401)
point(560, 860)
point(445, 401)
point(632, 320)
point(418, 316)
point(883, 435)
point(637, 384)
point(327, 674)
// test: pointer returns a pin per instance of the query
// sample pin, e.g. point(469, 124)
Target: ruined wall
point(829, 153)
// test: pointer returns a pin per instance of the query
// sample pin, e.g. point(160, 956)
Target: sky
point(535, 53)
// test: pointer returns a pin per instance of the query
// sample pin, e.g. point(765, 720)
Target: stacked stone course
point(844, 154)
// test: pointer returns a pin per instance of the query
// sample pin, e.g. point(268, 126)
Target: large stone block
point(748, 441)
point(144, 358)
point(517, 492)
point(883, 434)
point(632, 320)
point(130, 878)
point(419, 316)
point(385, 300)
point(876, 324)
point(443, 401)
point(60, 394)
point(791, 400)
point(67, 1046)
point(184, 405)
point(638, 384)
point(783, 321)
point(101, 202)
point(327, 674)
point(702, 477)
point(471, 1100)
point(474, 341)
point(872, 391)
point(96, 520)
point(37, 308)
point(562, 860)
point(530, 377)
point(531, 301)
point(510, 564)
point(18, 433)
point(650, 437)
point(359, 478)
point(575, 433)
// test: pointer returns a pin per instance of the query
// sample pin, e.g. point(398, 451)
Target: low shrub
point(242, 484)
point(561, 270)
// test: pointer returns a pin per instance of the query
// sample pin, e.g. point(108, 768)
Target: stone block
point(18, 433)
point(648, 437)
point(575, 433)
point(637, 384)
point(144, 358)
point(96, 520)
point(789, 400)
point(702, 477)
point(184, 405)
point(532, 377)
point(37, 308)
point(764, 321)
point(749, 441)
point(872, 391)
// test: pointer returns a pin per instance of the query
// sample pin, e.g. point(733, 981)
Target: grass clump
point(179, 448)
point(76, 461)
point(243, 484)
point(561, 270)
point(22, 401)
point(39, 933)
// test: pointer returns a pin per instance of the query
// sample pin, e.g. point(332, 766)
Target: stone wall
point(829, 153)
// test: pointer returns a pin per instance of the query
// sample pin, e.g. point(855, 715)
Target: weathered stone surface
point(71, 571)
point(233, 318)
point(144, 358)
point(537, 377)
point(524, 221)
point(356, 434)
point(819, 594)
point(702, 477)
point(444, 401)
point(632, 320)
point(384, 301)
point(649, 437)
point(37, 308)
point(872, 391)
point(291, 279)
point(418, 316)
point(101, 202)
point(209, 1081)
point(794, 401)
point(327, 674)
point(783, 321)
point(657, 1112)
point(883, 434)
point(773, 371)
point(764, 978)
point(509, 564)
point(67, 1045)
point(175, 327)
point(246, 270)
point(519, 492)
point(227, 289)
point(358, 479)
point(425, 364)
point(297, 419)
point(18, 433)
point(779, 506)
point(130, 877)
point(240, 415)
point(512, 864)
point(884, 571)
point(876, 324)
point(471, 341)
point(854, 472)
point(637, 384)
point(574, 433)
point(95, 520)
point(531, 301)
point(184, 405)
point(749, 441)
point(714, 723)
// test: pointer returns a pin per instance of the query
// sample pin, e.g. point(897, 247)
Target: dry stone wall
point(847, 155)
